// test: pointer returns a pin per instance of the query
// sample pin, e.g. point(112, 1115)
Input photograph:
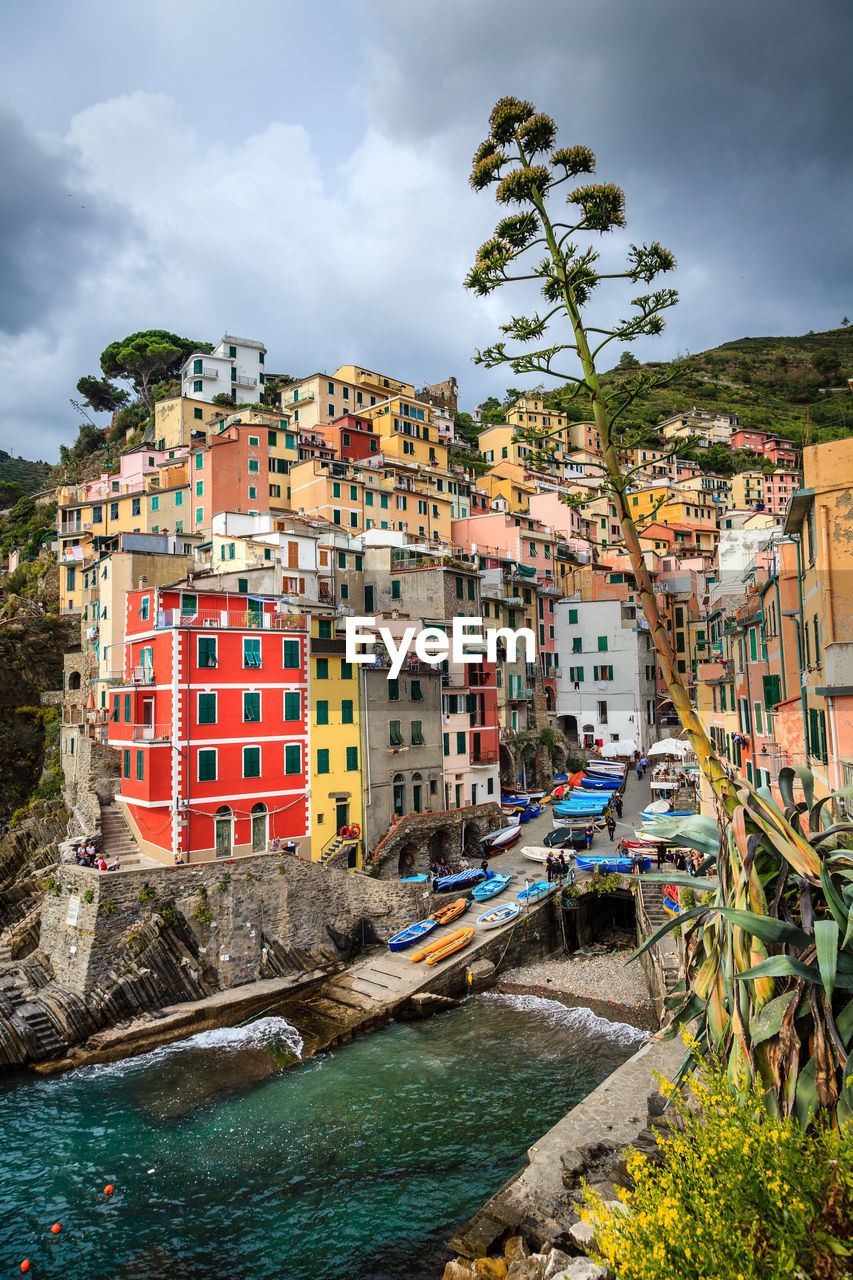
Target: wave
point(578, 1018)
point(256, 1035)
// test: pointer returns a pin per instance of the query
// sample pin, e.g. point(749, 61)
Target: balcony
point(230, 619)
point(328, 645)
point(243, 381)
point(151, 732)
point(484, 759)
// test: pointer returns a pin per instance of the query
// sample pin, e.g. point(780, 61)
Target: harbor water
point(358, 1163)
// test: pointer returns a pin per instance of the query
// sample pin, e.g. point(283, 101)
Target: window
point(602, 673)
point(243, 585)
point(291, 654)
point(347, 711)
point(459, 589)
point(253, 492)
point(393, 690)
point(292, 706)
point(394, 734)
point(471, 594)
point(460, 743)
point(417, 733)
point(251, 651)
point(127, 708)
point(577, 644)
point(199, 515)
point(346, 670)
point(324, 629)
point(140, 766)
point(144, 607)
point(207, 651)
point(126, 763)
point(293, 758)
point(576, 674)
point(395, 588)
point(445, 737)
point(251, 762)
point(322, 712)
point(602, 644)
point(199, 461)
point(207, 708)
point(322, 668)
point(199, 489)
point(114, 511)
point(251, 706)
point(254, 466)
point(352, 759)
point(207, 766)
point(416, 691)
point(323, 760)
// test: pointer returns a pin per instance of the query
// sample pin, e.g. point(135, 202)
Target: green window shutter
point(573, 617)
point(291, 654)
point(577, 644)
point(322, 668)
point(115, 711)
point(251, 762)
point(292, 710)
point(127, 708)
point(207, 651)
point(251, 651)
point(395, 737)
point(140, 766)
point(460, 744)
point(292, 758)
point(417, 733)
point(602, 644)
point(395, 588)
point(243, 585)
point(393, 690)
point(323, 760)
point(324, 629)
point(207, 766)
point(416, 691)
point(322, 712)
point(251, 706)
point(347, 711)
point(126, 762)
point(446, 741)
point(580, 673)
point(352, 759)
point(207, 708)
point(346, 670)
point(336, 489)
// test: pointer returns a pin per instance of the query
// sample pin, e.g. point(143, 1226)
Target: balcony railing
point(328, 644)
point(152, 732)
point(239, 620)
point(484, 758)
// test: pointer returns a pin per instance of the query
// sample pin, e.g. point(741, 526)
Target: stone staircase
point(337, 845)
point(667, 947)
point(49, 1043)
point(116, 840)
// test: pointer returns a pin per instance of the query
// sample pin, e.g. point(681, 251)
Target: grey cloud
point(52, 227)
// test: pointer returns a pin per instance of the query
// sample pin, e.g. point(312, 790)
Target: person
point(639, 768)
point(563, 866)
point(443, 868)
point(101, 865)
point(617, 805)
point(484, 865)
point(90, 851)
point(464, 864)
point(611, 825)
point(587, 835)
point(276, 844)
point(549, 866)
point(80, 855)
point(433, 869)
point(114, 865)
point(637, 860)
point(179, 859)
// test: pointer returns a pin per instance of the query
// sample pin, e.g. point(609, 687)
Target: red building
point(352, 437)
point(211, 723)
point(230, 473)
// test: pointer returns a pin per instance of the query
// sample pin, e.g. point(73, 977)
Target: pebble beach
point(605, 982)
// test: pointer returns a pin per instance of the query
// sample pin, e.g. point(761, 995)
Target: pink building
point(778, 489)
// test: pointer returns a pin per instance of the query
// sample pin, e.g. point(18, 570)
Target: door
point(223, 836)
point(341, 816)
point(368, 599)
point(416, 797)
point(147, 719)
point(254, 610)
point(259, 829)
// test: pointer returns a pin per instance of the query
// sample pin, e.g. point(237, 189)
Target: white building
point(606, 681)
point(235, 367)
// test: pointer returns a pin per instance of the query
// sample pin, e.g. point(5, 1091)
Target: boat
point(414, 932)
point(533, 892)
point(491, 888)
point(562, 821)
point(461, 879)
point(445, 914)
point(599, 862)
point(566, 837)
point(605, 766)
point(510, 816)
point(503, 914)
point(503, 838)
point(533, 796)
point(535, 853)
point(514, 799)
point(670, 900)
point(601, 784)
point(439, 950)
point(560, 777)
point(532, 811)
point(414, 879)
point(657, 806)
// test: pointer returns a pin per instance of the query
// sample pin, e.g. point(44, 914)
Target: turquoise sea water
point(358, 1164)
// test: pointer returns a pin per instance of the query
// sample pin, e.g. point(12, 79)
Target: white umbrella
point(669, 747)
point(624, 747)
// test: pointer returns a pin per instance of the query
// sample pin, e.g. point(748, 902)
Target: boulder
point(459, 1269)
point(480, 974)
point(491, 1268)
point(532, 1268)
point(584, 1269)
point(583, 1234)
point(515, 1248)
point(557, 1262)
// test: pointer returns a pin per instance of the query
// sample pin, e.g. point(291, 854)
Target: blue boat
point(407, 936)
point(601, 784)
point(413, 879)
point(601, 863)
point(461, 879)
point(490, 888)
point(532, 811)
point(534, 892)
point(498, 915)
point(560, 777)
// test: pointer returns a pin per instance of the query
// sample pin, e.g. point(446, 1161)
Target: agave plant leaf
point(833, 898)
point(829, 832)
point(680, 881)
point(827, 936)
point(781, 967)
point(787, 774)
point(766, 928)
point(697, 831)
point(664, 929)
point(806, 1096)
point(793, 847)
point(689, 1009)
point(768, 1021)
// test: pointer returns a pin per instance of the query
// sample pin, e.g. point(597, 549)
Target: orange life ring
point(355, 831)
point(344, 832)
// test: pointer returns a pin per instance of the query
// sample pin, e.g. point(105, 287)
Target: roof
point(798, 508)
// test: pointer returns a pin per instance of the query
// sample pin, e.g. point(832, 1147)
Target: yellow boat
point(443, 947)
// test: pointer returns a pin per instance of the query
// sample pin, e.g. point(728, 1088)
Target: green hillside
point(768, 382)
point(31, 476)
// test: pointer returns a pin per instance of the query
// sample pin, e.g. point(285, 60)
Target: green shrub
point(739, 1195)
point(203, 914)
point(108, 908)
point(169, 915)
point(89, 895)
point(224, 882)
point(148, 894)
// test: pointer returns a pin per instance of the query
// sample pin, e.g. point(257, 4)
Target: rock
point(458, 1269)
point(583, 1234)
point(480, 974)
point(573, 1164)
point(532, 1268)
point(491, 1268)
point(515, 1248)
point(583, 1269)
point(557, 1262)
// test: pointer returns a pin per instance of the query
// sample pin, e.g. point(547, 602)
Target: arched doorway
point(223, 825)
point(406, 861)
point(589, 736)
point(438, 845)
point(260, 820)
point(549, 698)
point(558, 759)
point(528, 765)
point(470, 840)
point(569, 726)
point(398, 783)
point(74, 680)
point(417, 793)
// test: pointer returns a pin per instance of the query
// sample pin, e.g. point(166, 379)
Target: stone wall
point(244, 916)
point(91, 774)
point(420, 834)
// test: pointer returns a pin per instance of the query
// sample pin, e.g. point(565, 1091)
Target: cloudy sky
point(298, 174)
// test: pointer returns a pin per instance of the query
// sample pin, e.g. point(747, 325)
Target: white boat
point(511, 817)
point(535, 853)
point(605, 766)
point(578, 824)
point(498, 915)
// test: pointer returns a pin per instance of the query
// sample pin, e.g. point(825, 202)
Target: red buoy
point(108, 1189)
point(25, 1265)
point(56, 1228)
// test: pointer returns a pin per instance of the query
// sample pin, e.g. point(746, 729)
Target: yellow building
point(357, 498)
point(321, 398)
point(509, 481)
point(718, 487)
point(177, 418)
point(747, 489)
point(336, 749)
point(406, 431)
